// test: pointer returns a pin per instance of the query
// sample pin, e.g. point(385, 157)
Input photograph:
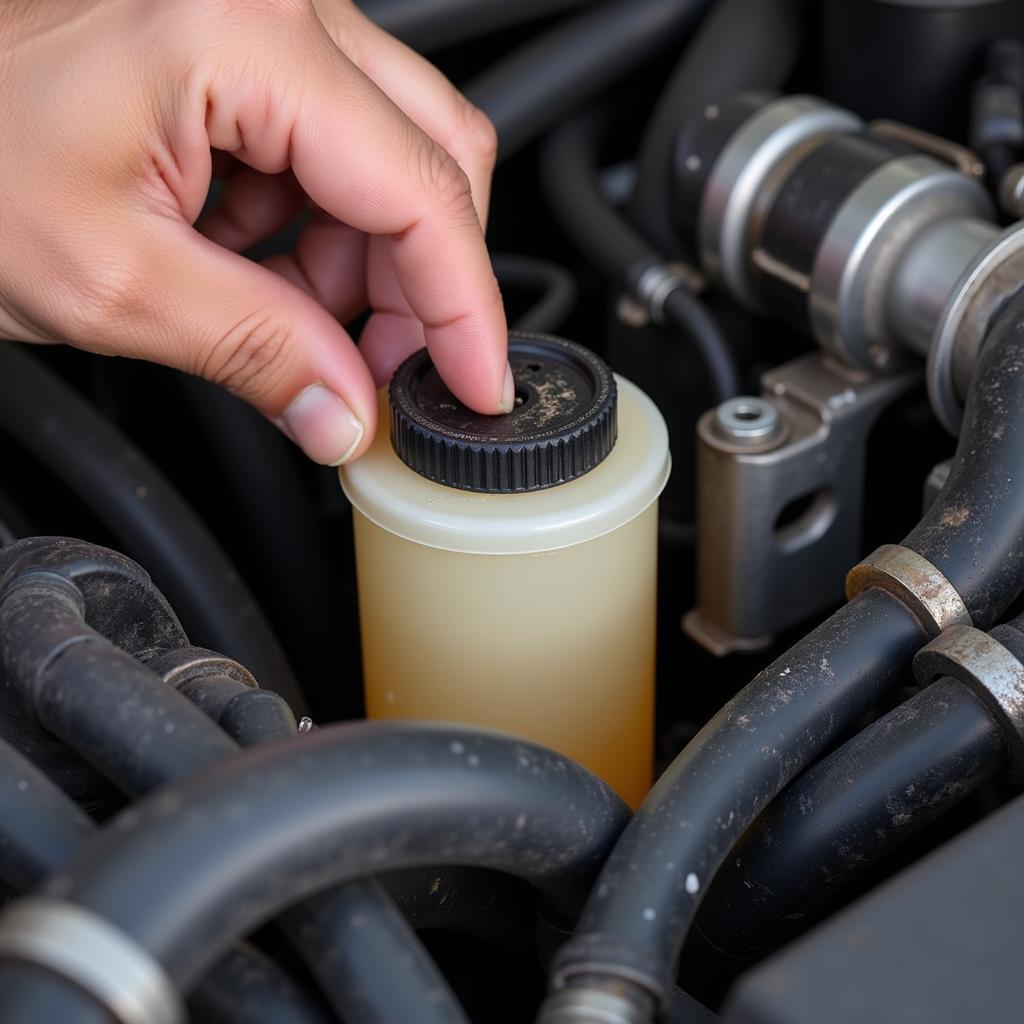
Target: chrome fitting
point(590, 1006)
point(94, 955)
point(913, 581)
point(994, 673)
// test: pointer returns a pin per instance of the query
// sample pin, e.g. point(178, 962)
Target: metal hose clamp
point(590, 1006)
point(93, 954)
point(913, 581)
point(995, 674)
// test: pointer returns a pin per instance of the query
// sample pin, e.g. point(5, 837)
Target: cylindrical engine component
point(506, 567)
point(876, 248)
point(914, 60)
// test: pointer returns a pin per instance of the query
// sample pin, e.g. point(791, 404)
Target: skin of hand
point(116, 114)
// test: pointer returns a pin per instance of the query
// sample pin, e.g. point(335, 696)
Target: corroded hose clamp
point(913, 581)
point(94, 955)
point(993, 673)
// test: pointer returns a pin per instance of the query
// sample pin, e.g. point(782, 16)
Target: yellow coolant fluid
point(507, 565)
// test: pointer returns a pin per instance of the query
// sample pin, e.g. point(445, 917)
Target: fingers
point(421, 91)
point(329, 258)
point(170, 295)
point(364, 162)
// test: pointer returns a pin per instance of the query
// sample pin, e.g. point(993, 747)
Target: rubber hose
point(350, 934)
point(40, 830)
point(555, 283)
point(327, 807)
point(974, 532)
point(299, 579)
point(150, 519)
point(548, 78)
point(741, 45)
point(569, 167)
point(794, 710)
point(436, 24)
point(40, 827)
point(848, 812)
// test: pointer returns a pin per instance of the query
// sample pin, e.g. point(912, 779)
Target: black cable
point(556, 285)
point(436, 24)
point(807, 699)
point(537, 85)
point(845, 814)
point(741, 45)
point(569, 166)
point(142, 509)
point(337, 804)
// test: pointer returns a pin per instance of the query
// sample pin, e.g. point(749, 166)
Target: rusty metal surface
point(995, 674)
point(915, 582)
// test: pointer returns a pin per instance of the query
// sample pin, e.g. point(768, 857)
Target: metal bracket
point(779, 526)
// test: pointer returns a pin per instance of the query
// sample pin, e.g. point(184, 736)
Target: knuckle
point(104, 294)
point(479, 131)
point(443, 179)
point(251, 357)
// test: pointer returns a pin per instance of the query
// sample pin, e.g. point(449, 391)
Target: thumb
point(190, 304)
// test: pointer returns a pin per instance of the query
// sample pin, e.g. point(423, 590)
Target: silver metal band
point(589, 1006)
point(738, 176)
point(913, 580)
point(95, 955)
point(995, 674)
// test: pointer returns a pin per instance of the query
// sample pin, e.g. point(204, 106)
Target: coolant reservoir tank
point(507, 564)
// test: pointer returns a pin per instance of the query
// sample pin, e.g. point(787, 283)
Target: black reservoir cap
point(563, 425)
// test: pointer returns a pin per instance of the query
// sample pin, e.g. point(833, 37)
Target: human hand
point(114, 113)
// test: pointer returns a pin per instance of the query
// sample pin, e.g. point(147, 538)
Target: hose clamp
point(93, 954)
point(913, 581)
point(658, 281)
point(993, 673)
point(187, 664)
point(590, 1006)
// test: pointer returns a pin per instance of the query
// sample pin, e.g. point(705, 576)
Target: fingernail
point(507, 401)
point(323, 426)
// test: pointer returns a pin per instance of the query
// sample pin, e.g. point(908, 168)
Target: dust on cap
point(563, 424)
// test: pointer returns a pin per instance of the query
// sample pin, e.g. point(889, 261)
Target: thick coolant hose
point(569, 172)
point(843, 816)
point(150, 519)
point(41, 828)
point(354, 940)
point(434, 24)
point(194, 866)
point(741, 45)
point(560, 71)
point(634, 925)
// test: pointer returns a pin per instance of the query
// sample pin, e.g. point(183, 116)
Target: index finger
point(360, 158)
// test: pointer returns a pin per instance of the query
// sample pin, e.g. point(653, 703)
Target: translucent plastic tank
point(531, 612)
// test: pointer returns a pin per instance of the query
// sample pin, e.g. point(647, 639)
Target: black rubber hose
point(361, 950)
point(41, 828)
point(276, 824)
point(806, 700)
point(974, 531)
point(116, 714)
point(300, 582)
point(143, 510)
point(569, 172)
point(435, 24)
point(548, 78)
point(847, 813)
point(741, 45)
point(556, 285)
